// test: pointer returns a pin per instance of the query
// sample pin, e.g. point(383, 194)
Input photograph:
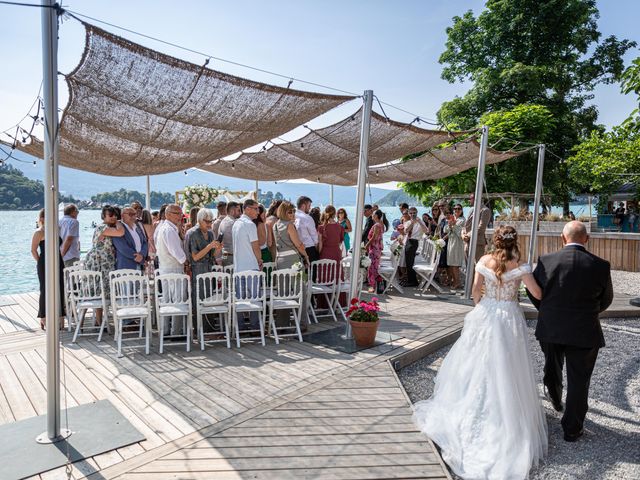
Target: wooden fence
point(622, 250)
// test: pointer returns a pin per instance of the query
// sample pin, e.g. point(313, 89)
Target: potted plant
point(363, 317)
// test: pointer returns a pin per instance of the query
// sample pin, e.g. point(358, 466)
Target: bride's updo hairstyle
point(505, 243)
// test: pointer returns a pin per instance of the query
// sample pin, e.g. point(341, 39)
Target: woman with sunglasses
point(455, 246)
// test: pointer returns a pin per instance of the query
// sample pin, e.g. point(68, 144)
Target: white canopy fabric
point(134, 111)
point(434, 164)
point(331, 150)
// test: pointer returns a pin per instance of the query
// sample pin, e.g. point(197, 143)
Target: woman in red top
point(330, 238)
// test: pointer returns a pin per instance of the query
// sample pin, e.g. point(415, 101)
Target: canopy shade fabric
point(134, 111)
point(436, 163)
point(331, 149)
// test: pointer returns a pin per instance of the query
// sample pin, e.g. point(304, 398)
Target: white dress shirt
point(244, 233)
point(171, 256)
point(419, 228)
point(306, 229)
point(136, 237)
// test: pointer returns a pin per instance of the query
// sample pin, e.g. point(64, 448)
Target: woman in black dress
point(37, 251)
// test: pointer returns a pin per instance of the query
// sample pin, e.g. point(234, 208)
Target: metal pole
point(257, 187)
point(52, 248)
point(331, 195)
point(363, 164)
point(477, 206)
point(148, 198)
point(536, 205)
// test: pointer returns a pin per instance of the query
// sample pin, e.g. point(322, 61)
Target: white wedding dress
point(485, 413)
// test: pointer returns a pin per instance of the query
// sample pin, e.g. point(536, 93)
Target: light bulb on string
point(233, 166)
point(186, 173)
point(302, 146)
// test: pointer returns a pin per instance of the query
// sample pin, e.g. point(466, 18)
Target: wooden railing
point(622, 250)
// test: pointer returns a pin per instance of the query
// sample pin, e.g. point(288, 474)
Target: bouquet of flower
point(439, 243)
point(361, 311)
point(199, 196)
point(299, 267)
point(365, 261)
point(396, 249)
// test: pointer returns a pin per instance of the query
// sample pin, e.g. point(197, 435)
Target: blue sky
point(391, 47)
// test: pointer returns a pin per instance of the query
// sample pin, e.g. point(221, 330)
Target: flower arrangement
point(396, 249)
point(365, 261)
point(361, 311)
point(439, 243)
point(199, 196)
point(299, 267)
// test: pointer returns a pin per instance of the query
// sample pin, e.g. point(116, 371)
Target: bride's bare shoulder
point(488, 261)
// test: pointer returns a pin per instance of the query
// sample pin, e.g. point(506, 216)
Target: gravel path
point(610, 448)
point(626, 282)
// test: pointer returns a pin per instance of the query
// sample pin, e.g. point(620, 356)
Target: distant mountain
point(396, 197)
point(84, 185)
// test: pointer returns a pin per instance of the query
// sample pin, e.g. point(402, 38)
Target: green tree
point(524, 123)
point(606, 160)
point(547, 53)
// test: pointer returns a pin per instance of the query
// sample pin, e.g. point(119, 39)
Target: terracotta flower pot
point(364, 333)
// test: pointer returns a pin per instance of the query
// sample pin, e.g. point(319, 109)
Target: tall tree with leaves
point(607, 160)
point(548, 53)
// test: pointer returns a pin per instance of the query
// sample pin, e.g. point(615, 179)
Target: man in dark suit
point(576, 287)
point(368, 212)
point(132, 247)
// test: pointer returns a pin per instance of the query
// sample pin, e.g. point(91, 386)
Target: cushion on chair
point(285, 304)
point(248, 305)
point(214, 308)
point(315, 289)
point(97, 303)
point(174, 310)
point(132, 312)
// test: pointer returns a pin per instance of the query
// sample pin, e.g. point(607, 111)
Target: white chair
point(426, 266)
point(173, 299)
point(68, 298)
point(228, 269)
point(324, 273)
point(130, 299)
point(87, 293)
point(214, 298)
point(249, 296)
point(286, 294)
point(344, 286)
point(388, 270)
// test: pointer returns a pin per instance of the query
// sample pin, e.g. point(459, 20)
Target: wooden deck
point(294, 410)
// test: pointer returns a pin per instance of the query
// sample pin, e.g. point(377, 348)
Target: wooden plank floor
point(294, 410)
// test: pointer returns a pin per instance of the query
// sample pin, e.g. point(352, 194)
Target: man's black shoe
point(573, 437)
point(557, 404)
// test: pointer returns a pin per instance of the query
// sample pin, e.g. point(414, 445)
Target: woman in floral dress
point(102, 256)
point(374, 247)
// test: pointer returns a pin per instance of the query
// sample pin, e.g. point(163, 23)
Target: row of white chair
point(425, 266)
point(220, 292)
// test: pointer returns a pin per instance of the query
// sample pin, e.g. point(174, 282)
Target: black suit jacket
point(367, 226)
point(576, 287)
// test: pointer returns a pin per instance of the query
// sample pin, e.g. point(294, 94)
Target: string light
point(233, 166)
point(302, 146)
point(186, 173)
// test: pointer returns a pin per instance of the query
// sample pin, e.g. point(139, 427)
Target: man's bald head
point(575, 232)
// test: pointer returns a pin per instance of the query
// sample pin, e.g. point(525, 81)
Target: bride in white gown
point(485, 413)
